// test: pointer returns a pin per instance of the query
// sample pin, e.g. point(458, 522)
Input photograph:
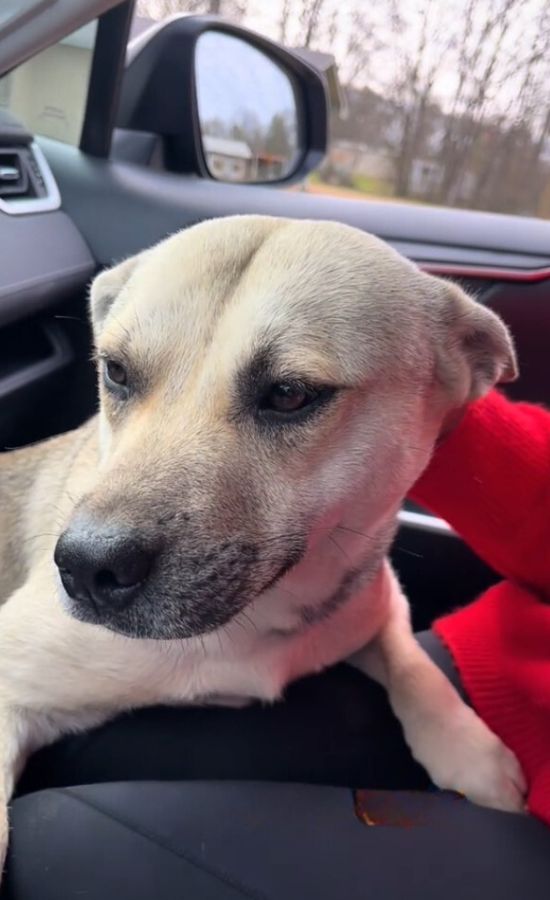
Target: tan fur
point(186, 460)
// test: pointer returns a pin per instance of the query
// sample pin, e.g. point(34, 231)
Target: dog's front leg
point(445, 735)
point(14, 735)
point(22, 732)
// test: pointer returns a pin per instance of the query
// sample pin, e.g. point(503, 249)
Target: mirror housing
point(159, 95)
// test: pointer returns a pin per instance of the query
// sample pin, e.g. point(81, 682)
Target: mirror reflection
point(247, 111)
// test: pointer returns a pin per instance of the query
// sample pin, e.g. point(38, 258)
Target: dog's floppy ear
point(474, 348)
point(106, 287)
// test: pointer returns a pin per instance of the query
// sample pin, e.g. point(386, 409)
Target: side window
point(48, 93)
point(432, 101)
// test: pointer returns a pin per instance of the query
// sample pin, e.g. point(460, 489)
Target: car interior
point(138, 171)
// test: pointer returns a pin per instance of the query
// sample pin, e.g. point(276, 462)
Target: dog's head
point(258, 378)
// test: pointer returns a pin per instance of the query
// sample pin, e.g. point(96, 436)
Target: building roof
point(226, 147)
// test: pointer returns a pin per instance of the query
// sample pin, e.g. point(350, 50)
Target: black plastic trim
point(105, 82)
point(60, 357)
point(121, 208)
point(44, 259)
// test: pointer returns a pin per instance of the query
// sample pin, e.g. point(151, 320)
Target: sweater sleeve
point(490, 480)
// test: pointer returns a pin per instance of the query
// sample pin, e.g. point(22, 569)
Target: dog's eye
point(115, 374)
point(288, 397)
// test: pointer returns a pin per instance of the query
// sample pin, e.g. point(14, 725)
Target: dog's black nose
point(105, 566)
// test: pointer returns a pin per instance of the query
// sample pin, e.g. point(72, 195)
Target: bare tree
point(508, 176)
point(536, 93)
point(457, 89)
point(311, 17)
point(284, 20)
point(160, 9)
point(484, 68)
point(364, 41)
point(424, 41)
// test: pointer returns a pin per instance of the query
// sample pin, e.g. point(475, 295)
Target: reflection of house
point(270, 166)
point(227, 158)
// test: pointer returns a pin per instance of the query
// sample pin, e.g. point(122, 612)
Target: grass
point(366, 184)
point(363, 187)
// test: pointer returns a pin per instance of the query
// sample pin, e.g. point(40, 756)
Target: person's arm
point(490, 479)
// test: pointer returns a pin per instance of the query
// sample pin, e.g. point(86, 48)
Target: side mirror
point(229, 104)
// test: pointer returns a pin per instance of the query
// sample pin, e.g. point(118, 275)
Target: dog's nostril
point(125, 572)
point(106, 568)
point(106, 580)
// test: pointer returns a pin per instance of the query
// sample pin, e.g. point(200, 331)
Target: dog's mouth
point(179, 602)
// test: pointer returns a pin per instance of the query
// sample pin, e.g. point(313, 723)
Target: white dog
point(270, 390)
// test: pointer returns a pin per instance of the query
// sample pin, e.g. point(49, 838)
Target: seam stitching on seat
point(190, 858)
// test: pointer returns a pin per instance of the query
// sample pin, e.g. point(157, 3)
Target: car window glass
point(441, 102)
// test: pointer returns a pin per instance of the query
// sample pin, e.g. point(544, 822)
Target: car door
point(46, 384)
point(117, 200)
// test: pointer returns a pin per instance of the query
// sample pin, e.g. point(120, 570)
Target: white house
point(228, 159)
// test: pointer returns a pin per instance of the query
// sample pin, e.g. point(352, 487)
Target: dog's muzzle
point(167, 585)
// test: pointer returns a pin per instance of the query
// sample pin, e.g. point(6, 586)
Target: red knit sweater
point(491, 481)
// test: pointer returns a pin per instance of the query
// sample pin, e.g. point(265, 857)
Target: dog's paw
point(462, 754)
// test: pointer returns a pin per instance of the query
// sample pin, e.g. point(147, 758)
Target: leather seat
point(222, 841)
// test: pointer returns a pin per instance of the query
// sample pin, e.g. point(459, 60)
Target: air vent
point(14, 179)
point(26, 182)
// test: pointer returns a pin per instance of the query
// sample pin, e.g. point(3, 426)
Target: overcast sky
point(233, 77)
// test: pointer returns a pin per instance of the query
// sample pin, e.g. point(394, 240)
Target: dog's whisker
point(219, 637)
point(238, 621)
point(67, 493)
point(244, 615)
point(406, 550)
point(59, 510)
point(286, 536)
point(139, 323)
point(72, 319)
point(369, 537)
point(363, 534)
point(36, 537)
point(122, 327)
point(338, 547)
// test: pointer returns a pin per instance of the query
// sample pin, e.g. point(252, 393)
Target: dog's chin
point(132, 623)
